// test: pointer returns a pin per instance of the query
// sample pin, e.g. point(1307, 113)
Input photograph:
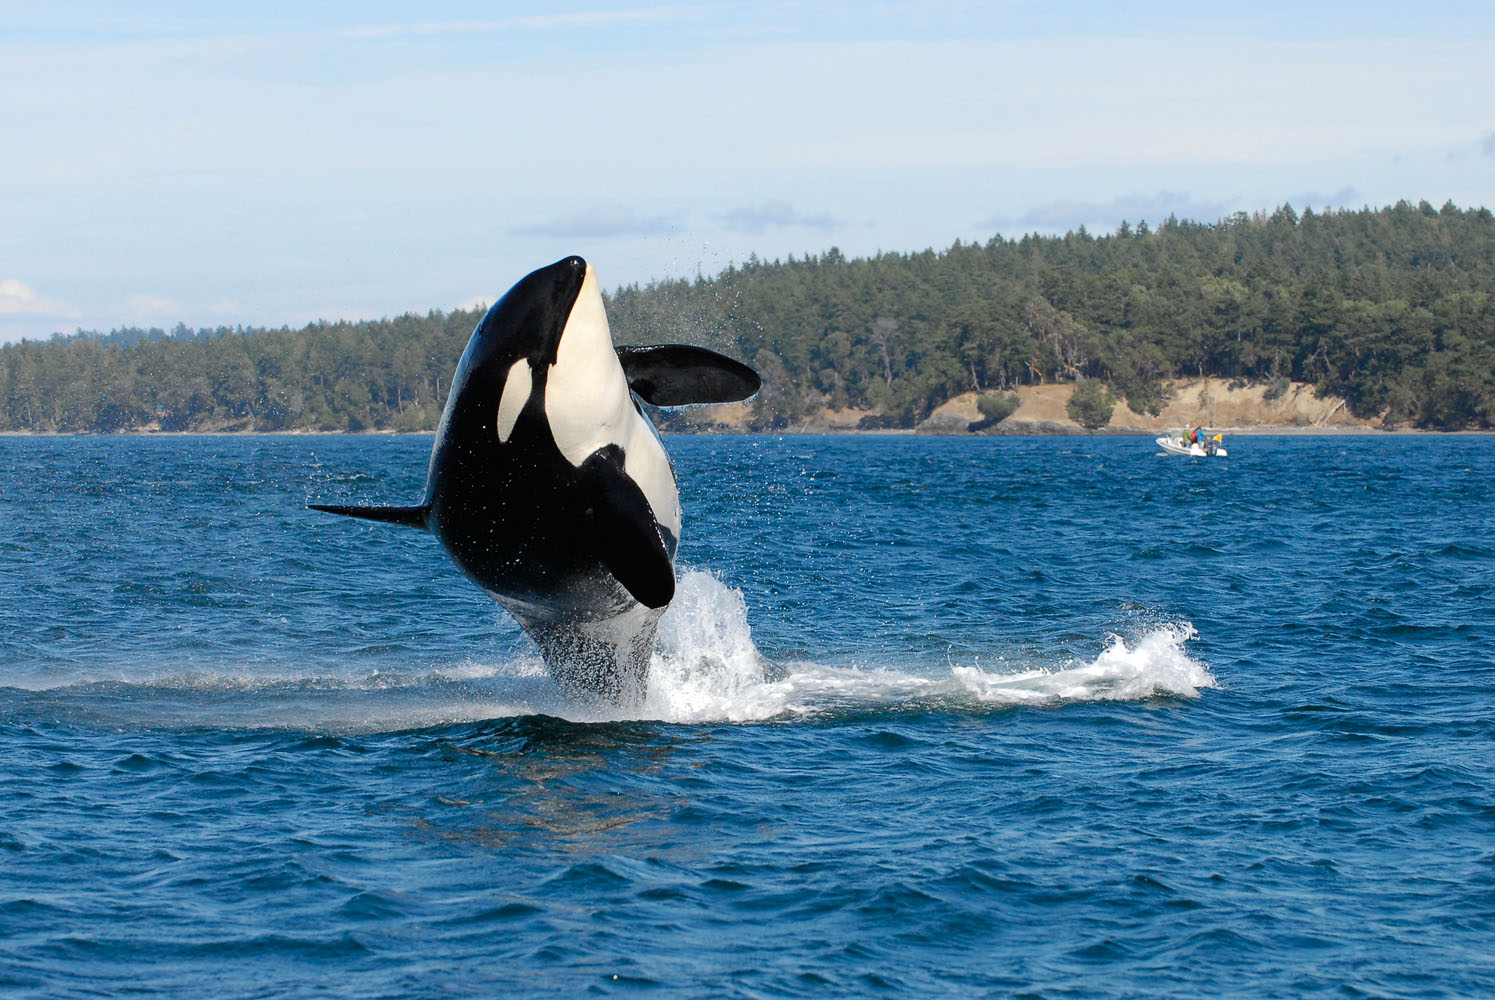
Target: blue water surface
point(1037, 717)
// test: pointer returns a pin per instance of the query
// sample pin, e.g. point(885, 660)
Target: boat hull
point(1178, 446)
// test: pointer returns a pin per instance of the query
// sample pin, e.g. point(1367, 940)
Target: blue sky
point(285, 162)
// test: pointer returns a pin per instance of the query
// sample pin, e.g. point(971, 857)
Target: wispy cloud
point(1313, 199)
point(1134, 208)
point(536, 22)
point(1488, 143)
point(774, 215)
point(1067, 214)
point(150, 307)
point(17, 299)
point(601, 222)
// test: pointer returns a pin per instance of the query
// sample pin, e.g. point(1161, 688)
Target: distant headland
point(1232, 408)
point(1330, 321)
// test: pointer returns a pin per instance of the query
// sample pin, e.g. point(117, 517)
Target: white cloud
point(478, 303)
point(151, 303)
point(536, 22)
point(1069, 214)
point(601, 222)
point(16, 299)
point(1312, 199)
point(774, 215)
point(149, 309)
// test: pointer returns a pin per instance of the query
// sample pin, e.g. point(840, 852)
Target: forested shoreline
point(1389, 308)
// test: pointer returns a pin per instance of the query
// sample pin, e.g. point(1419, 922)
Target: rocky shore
point(1207, 402)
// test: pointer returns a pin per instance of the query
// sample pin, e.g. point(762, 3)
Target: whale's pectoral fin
point(627, 535)
point(677, 374)
point(410, 517)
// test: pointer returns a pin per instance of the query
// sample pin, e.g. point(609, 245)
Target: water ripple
point(933, 717)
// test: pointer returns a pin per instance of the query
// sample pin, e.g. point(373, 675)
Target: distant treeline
point(1393, 309)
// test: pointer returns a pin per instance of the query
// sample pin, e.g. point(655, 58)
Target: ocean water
point(1030, 717)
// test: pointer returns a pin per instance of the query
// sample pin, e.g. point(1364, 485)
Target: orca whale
point(548, 485)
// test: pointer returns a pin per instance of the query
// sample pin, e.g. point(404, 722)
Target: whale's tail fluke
point(410, 517)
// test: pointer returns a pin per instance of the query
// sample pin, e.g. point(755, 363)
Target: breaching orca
point(549, 487)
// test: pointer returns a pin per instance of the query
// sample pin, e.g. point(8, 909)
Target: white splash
point(1157, 665)
point(705, 669)
point(705, 666)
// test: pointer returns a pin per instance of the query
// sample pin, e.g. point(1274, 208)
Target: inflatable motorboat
point(1195, 445)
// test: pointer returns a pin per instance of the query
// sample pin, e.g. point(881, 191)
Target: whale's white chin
point(586, 396)
point(588, 405)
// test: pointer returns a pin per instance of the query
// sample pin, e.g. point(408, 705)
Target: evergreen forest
point(1392, 309)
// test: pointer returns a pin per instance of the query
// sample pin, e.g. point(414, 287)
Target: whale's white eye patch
point(516, 393)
